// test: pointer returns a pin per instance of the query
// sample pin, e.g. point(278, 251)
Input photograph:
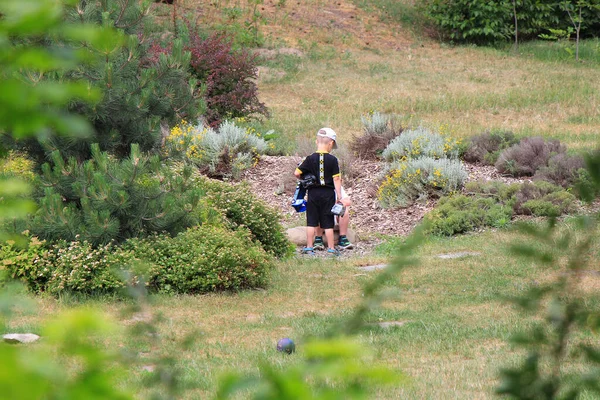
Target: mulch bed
point(272, 180)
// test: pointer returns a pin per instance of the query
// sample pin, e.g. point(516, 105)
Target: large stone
point(297, 235)
point(370, 268)
point(20, 338)
point(461, 254)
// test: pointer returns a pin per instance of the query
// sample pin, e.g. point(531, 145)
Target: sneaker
point(309, 251)
point(333, 252)
point(319, 245)
point(345, 244)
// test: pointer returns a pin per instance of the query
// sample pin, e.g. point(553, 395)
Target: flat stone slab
point(460, 254)
point(148, 368)
point(20, 338)
point(390, 324)
point(370, 268)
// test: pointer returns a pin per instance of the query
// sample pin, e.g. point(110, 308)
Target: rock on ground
point(20, 338)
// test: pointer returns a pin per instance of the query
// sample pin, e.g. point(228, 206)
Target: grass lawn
point(452, 344)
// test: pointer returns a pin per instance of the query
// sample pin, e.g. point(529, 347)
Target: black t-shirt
point(323, 166)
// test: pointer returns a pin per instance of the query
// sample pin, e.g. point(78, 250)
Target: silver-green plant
point(224, 152)
point(376, 123)
point(421, 142)
point(420, 178)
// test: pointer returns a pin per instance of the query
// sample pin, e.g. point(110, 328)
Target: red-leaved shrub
point(227, 75)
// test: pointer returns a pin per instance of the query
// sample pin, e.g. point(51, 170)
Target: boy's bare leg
point(310, 236)
point(344, 222)
point(329, 236)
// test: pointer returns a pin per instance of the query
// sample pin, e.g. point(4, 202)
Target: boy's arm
point(302, 167)
point(337, 183)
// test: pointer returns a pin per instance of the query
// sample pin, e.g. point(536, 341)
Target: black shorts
point(318, 207)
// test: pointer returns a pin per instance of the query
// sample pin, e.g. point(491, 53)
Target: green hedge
point(201, 259)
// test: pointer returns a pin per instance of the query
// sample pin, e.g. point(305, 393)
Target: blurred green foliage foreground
point(72, 363)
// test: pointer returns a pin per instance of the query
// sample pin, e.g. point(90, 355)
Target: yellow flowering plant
point(414, 179)
point(422, 142)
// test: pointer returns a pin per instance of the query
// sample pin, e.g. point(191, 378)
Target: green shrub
point(529, 155)
point(66, 266)
point(243, 209)
point(203, 259)
point(461, 214)
point(543, 199)
point(492, 204)
point(378, 130)
point(421, 142)
point(103, 199)
point(16, 165)
point(222, 153)
point(499, 191)
point(486, 147)
point(27, 263)
point(472, 21)
point(489, 22)
point(420, 178)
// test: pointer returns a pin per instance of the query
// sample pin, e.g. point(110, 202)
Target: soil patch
point(272, 180)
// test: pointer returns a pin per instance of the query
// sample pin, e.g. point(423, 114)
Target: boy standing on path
point(322, 195)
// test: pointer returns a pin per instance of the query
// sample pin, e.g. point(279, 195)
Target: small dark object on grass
point(286, 345)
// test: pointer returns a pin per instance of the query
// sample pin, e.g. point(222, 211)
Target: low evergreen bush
point(203, 259)
point(66, 266)
point(529, 155)
point(420, 178)
point(104, 200)
point(242, 208)
point(486, 147)
point(543, 199)
point(421, 142)
point(462, 214)
point(219, 153)
point(493, 204)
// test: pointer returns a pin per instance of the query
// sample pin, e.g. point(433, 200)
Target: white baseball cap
point(328, 133)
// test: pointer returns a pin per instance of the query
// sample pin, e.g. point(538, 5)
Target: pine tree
point(104, 199)
point(139, 93)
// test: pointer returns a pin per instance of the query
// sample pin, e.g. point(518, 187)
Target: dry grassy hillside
point(337, 62)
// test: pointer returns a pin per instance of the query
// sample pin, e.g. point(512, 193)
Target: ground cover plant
point(422, 164)
point(421, 142)
point(494, 204)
